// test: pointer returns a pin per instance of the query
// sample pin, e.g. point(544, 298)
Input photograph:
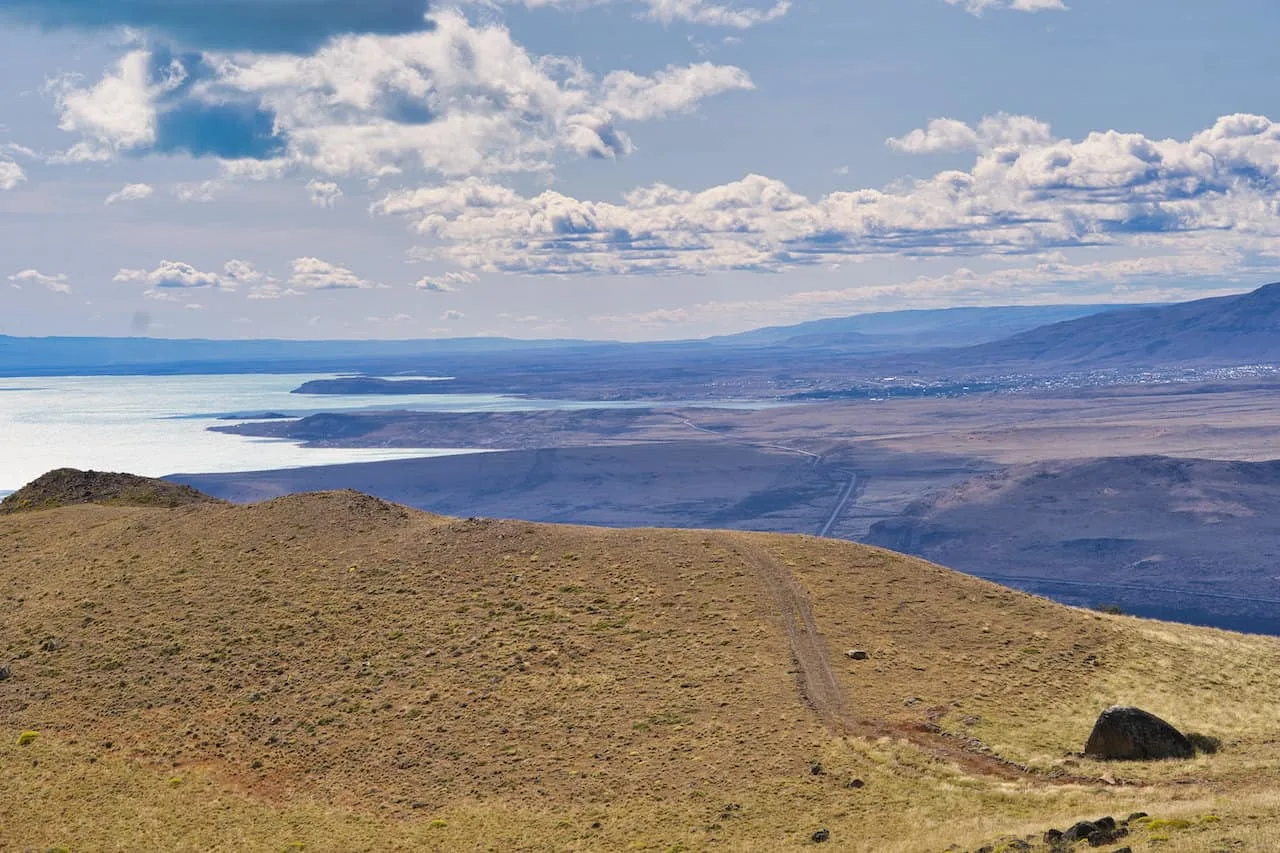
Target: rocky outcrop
point(1131, 734)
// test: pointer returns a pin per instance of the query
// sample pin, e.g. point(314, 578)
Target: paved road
point(842, 502)
point(847, 492)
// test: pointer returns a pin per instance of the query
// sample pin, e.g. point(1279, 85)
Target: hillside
point(333, 672)
point(1192, 539)
point(1225, 330)
point(67, 486)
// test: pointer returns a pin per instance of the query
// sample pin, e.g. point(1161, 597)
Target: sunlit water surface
point(158, 425)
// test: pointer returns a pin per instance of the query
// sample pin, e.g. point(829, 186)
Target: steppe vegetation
point(334, 672)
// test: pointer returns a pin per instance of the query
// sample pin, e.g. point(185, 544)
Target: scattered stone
point(52, 644)
point(1080, 831)
point(1136, 816)
point(816, 769)
point(1053, 836)
point(1102, 836)
point(4, 673)
point(914, 700)
point(1131, 734)
point(820, 836)
point(857, 654)
point(856, 784)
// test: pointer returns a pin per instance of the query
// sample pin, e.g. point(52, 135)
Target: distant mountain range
point(864, 334)
point(1224, 330)
point(897, 331)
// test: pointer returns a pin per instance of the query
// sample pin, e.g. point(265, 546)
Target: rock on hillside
point(67, 486)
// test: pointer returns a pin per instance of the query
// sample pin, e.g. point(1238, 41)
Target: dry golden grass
point(338, 673)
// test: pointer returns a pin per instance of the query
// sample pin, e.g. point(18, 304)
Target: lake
point(157, 425)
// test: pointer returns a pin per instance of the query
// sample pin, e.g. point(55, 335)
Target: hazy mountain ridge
point(1225, 330)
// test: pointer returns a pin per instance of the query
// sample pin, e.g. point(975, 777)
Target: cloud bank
point(1027, 192)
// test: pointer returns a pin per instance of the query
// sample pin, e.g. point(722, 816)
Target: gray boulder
point(1131, 734)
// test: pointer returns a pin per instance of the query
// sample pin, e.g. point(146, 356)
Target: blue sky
point(622, 168)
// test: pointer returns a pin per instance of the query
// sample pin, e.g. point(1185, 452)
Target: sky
point(624, 169)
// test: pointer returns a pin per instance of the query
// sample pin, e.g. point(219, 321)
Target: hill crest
point(69, 486)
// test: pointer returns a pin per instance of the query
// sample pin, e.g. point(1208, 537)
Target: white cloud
point(201, 193)
point(323, 193)
point(11, 174)
point(977, 7)
point(460, 99)
point(131, 192)
point(170, 275)
point(315, 274)
point(447, 283)
point(56, 283)
point(452, 315)
point(998, 131)
point(117, 114)
point(1027, 192)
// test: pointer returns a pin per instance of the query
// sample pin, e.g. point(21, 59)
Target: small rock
point(1136, 816)
point(52, 644)
point(1053, 837)
point(4, 673)
point(820, 836)
point(857, 654)
point(816, 769)
point(856, 784)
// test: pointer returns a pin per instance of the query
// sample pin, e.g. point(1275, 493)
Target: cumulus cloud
point(315, 274)
point(946, 134)
point(447, 283)
point(323, 193)
point(1028, 194)
point(459, 99)
point(170, 275)
point(131, 192)
point(11, 174)
point(452, 315)
point(977, 7)
point(265, 25)
point(155, 101)
point(56, 283)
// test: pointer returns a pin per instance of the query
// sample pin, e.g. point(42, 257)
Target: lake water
point(158, 425)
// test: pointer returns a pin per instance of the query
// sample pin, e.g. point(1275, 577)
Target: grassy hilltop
point(332, 672)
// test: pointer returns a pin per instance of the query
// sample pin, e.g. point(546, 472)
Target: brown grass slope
point(333, 672)
point(67, 486)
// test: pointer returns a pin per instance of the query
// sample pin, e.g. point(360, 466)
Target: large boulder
point(1131, 734)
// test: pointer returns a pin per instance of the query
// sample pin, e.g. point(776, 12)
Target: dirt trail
point(822, 692)
point(818, 684)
